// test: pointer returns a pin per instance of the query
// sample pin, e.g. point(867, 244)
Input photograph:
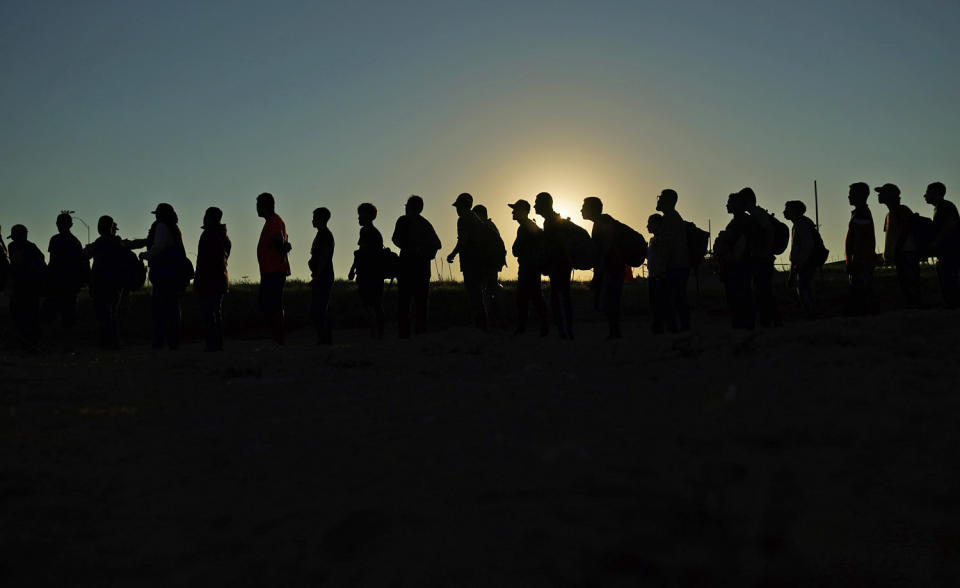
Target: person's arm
point(399, 236)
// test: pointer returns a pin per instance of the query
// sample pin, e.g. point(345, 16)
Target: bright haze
point(112, 107)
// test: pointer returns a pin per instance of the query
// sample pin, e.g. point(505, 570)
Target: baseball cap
point(521, 204)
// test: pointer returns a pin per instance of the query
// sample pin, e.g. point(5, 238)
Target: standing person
point(113, 266)
point(860, 250)
point(27, 275)
point(527, 249)
point(470, 249)
point(494, 260)
point(166, 256)
point(418, 244)
point(557, 264)
point(657, 289)
point(367, 266)
point(760, 240)
point(946, 242)
point(608, 273)
point(212, 280)
point(676, 257)
point(732, 249)
point(900, 247)
point(69, 271)
point(272, 250)
point(321, 272)
point(805, 245)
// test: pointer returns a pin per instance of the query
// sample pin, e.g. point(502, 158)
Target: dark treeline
point(742, 255)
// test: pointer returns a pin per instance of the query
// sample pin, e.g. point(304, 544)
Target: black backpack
point(631, 244)
point(133, 272)
point(820, 251)
point(781, 235)
point(698, 241)
point(579, 248)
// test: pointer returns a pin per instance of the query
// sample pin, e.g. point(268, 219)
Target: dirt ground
point(823, 453)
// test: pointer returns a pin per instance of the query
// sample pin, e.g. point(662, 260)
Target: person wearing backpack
point(28, 270)
point(321, 273)
point(367, 266)
point(167, 260)
point(761, 238)
point(673, 244)
point(556, 264)
point(212, 279)
point(732, 249)
point(69, 270)
point(418, 243)
point(946, 242)
point(900, 247)
point(807, 254)
point(608, 272)
point(494, 260)
point(527, 249)
point(273, 249)
point(471, 240)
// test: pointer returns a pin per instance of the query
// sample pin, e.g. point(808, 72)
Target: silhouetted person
point(368, 266)
point(109, 276)
point(470, 245)
point(321, 272)
point(494, 260)
point(418, 244)
point(272, 250)
point(760, 240)
point(4, 263)
point(557, 264)
point(69, 270)
point(168, 275)
point(212, 279)
point(900, 247)
point(676, 258)
point(608, 273)
point(658, 290)
point(804, 244)
point(27, 275)
point(527, 248)
point(732, 250)
point(946, 242)
point(861, 250)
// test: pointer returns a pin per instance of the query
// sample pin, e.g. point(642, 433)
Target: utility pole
point(816, 205)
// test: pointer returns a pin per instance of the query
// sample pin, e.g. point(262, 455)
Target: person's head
point(366, 212)
point(212, 218)
point(463, 203)
point(266, 205)
point(888, 194)
point(321, 216)
point(18, 233)
point(481, 211)
point(165, 213)
point(106, 227)
point(935, 193)
point(521, 210)
point(414, 205)
point(543, 204)
point(653, 223)
point(748, 198)
point(64, 222)
point(592, 208)
point(667, 200)
point(794, 209)
point(859, 192)
point(735, 203)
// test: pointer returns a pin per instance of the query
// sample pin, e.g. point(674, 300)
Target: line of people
point(745, 252)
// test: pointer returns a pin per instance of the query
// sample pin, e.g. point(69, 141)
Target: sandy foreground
point(818, 454)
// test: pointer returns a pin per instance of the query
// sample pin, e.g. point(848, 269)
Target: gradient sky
point(112, 107)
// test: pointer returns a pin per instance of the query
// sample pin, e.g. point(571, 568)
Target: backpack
point(579, 248)
point(781, 235)
point(924, 234)
point(631, 244)
point(698, 241)
point(133, 272)
point(389, 264)
point(820, 251)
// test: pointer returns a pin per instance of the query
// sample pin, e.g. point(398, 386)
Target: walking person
point(900, 247)
point(946, 242)
point(321, 273)
point(556, 264)
point(69, 271)
point(272, 250)
point(418, 244)
point(212, 279)
point(732, 250)
point(367, 266)
point(806, 248)
point(860, 251)
point(470, 240)
point(168, 275)
point(760, 249)
point(494, 260)
point(527, 248)
point(28, 269)
point(609, 271)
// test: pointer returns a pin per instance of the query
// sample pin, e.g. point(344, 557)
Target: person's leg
point(173, 318)
point(805, 292)
point(378, 308)
point(208, 320)
point(158, 312)
point(948, 273)
point(524, 289)
point(472, 283)
point(421, 298)
point(612, 295)
point(679, 279)
point(404, 295)
point(656, 306)
point(561, 281)
point(324, 328)
point(908, 274)
point(536, 294)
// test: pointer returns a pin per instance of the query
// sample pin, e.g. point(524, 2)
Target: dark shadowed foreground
point(818, 454)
